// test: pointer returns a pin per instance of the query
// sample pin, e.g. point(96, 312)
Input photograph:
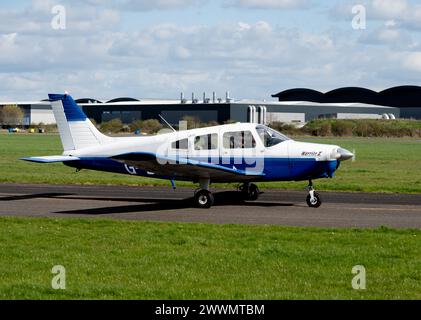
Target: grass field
point(106, 259)
point(383, 165)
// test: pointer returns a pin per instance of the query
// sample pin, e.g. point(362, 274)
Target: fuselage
point(262, 153)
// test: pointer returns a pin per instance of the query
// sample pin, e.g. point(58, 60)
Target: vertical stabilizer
point(76, 130)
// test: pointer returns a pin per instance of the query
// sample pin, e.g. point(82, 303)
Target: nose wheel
point(250, 192)
point(313, 198)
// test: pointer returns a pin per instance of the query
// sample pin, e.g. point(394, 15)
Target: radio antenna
point(167, 123)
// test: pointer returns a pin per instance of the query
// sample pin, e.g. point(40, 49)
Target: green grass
point(106, 259)
point(383, 165)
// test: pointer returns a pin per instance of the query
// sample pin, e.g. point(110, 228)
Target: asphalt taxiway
point(274, 207)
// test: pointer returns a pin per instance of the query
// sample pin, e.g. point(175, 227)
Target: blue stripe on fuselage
point(274, 169)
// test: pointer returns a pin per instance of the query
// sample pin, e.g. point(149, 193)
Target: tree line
point(11, 115)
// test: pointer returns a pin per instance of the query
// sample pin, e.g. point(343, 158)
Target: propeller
point(354, 158)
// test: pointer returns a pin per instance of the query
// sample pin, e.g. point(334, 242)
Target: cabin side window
point(239, 140)
point(206, 142)
point(180, 144)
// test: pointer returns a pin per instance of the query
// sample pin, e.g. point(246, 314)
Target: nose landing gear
point(313, 198)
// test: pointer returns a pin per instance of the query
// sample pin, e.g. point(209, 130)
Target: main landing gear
point(250, 192)
point(313, 198)
point(204, 198)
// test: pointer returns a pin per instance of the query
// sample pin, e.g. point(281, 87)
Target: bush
point(285, 128)
point(151, 126)
point(364, 128)
point(48, 128)
point(112, 126)
point(342, 128)
point(195, 122)
point(318, 128)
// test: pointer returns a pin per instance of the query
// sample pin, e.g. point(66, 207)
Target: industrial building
point(293, 106)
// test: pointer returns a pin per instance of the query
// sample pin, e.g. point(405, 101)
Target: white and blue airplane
point(243, 153)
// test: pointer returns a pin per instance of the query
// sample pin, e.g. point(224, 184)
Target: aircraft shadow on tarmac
point(227, 198)
point(34, 196)
point(221, 199)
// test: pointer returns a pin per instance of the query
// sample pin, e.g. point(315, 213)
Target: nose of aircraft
point(344, 154)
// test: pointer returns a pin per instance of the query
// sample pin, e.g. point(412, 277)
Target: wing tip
point(50, 159)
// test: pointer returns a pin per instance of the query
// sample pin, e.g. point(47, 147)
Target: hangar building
point(406, 98)
point(293, 106)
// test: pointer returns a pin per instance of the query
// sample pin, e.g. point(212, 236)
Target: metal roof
point(398, 97)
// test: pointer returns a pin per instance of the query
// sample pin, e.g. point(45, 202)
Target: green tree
point(12, 115)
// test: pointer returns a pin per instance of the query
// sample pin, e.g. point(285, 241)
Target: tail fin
point(76, 130)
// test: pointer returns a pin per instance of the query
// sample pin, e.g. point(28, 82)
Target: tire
point(317, 203)
point(204, 199)
point(252, 194)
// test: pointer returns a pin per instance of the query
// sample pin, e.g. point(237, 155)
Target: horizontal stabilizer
point(51, 159)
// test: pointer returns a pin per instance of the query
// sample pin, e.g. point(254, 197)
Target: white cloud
point(148, 5)
point(390, 35)
point(97, 58)
point(268, 4)
point(390, 9)
point(412, 61)
point(250, 59)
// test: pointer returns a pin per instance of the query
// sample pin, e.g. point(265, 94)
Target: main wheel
point(204, 199)
point(316, 202)
point(251, 193)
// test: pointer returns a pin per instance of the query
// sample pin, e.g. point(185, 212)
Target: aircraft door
point(239, 150)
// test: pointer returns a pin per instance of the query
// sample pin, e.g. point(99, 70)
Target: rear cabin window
point(239, 140)
point(180, 144)
point(206, 142)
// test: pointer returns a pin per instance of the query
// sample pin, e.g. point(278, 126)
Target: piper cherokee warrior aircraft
point(236, 153)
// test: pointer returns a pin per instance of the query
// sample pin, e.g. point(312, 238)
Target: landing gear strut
point(250, 192)
point(204, 198)
point(313, 198)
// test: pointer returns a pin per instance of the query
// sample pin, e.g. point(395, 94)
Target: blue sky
point(253, 48)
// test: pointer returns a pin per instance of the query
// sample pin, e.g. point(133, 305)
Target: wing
point(184, 168)
point(51, 159)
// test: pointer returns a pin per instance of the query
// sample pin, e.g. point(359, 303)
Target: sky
point(252, 48)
